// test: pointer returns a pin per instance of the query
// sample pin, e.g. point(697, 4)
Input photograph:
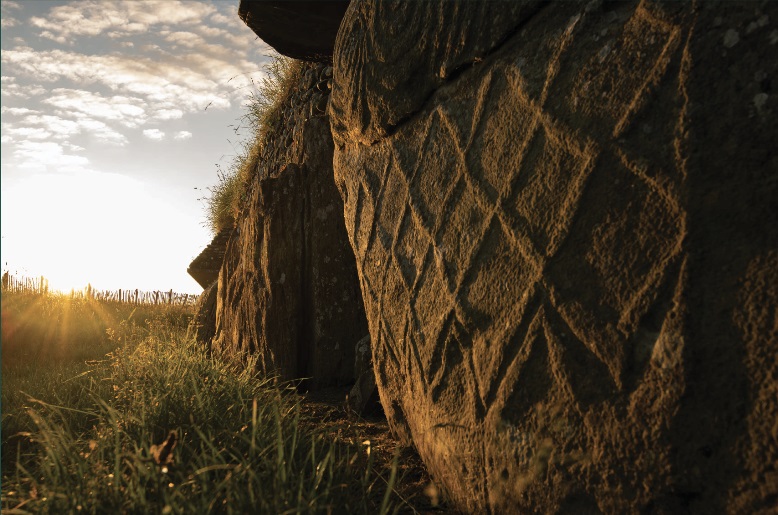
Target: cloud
point(155, 134)
point(58, 127)
point(39, 156)
point(102, 132)
point(18, 111)
point(6, 20)
point(62, 128)
point(242, 40)
point(223, 19)
point(128, 64)
point(12, 89)
point(62, 40)
point(187, 39)
point(189, 84)
point(167, 114)
point(122, 18)
point(11, 133)
point(128, 111)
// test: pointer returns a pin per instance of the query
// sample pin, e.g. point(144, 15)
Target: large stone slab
point(205, 267)
point(568, 250)
point(288, 292)
point(301, 29)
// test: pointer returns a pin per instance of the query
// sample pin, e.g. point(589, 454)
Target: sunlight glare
point(83, 227)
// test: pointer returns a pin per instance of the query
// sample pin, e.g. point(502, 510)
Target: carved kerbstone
point(566, 234)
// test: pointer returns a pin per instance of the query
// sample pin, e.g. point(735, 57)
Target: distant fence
point(40, 285)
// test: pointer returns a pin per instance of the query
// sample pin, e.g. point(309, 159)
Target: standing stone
point(568, 248)
point(288, 293)
point(363, 397)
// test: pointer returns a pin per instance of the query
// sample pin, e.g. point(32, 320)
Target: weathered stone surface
point(288, 290)
point(203, 325)
point(568, 252)
point(425, 45)
point(300, 29)
point(363, 397)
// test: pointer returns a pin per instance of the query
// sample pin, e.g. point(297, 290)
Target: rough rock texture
point(300, 29)
point(288, 290)
point(568, 250)
point(203, 324)
point(205, 267)
point(425, 45)
point(363, 397)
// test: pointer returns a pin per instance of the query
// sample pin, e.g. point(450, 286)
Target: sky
point(115, 118)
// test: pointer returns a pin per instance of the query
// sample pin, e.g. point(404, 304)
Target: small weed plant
point(157, 425)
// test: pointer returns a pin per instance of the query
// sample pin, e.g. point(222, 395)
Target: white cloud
point(8, 21)
point(38, 156)
point(92, 18)
point(62, 40)
point(182, 135)
point(167, 114)
point(223, 19)
point(102, 132)
point(24, 133)
point(72, 147)
point(189, 84)
point(59, 127)
point(18, 111)
point(187, 39)
point(13, 89)
point(62, 129)
point(155, 134)
point(129, 111)
point(238, 35)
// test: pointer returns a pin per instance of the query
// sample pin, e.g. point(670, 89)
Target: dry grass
point(262, 117)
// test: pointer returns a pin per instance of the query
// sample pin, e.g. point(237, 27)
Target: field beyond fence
point(40, 285)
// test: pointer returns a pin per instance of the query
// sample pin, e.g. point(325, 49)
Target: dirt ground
point(413, 485)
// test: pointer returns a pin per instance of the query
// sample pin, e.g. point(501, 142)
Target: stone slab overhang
point(205, 267)
point(304, 29)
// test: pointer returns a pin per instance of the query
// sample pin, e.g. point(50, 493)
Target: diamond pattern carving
point(486, 248)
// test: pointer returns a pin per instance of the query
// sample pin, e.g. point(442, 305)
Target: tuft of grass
point(222, 206)
point(87, 436)
point(266, 101)
point(262, 117)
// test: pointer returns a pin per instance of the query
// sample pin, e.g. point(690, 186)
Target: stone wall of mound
point(287, 291)
point(565, 226)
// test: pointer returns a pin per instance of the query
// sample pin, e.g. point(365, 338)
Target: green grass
point(262, 116)
point(78, 425)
